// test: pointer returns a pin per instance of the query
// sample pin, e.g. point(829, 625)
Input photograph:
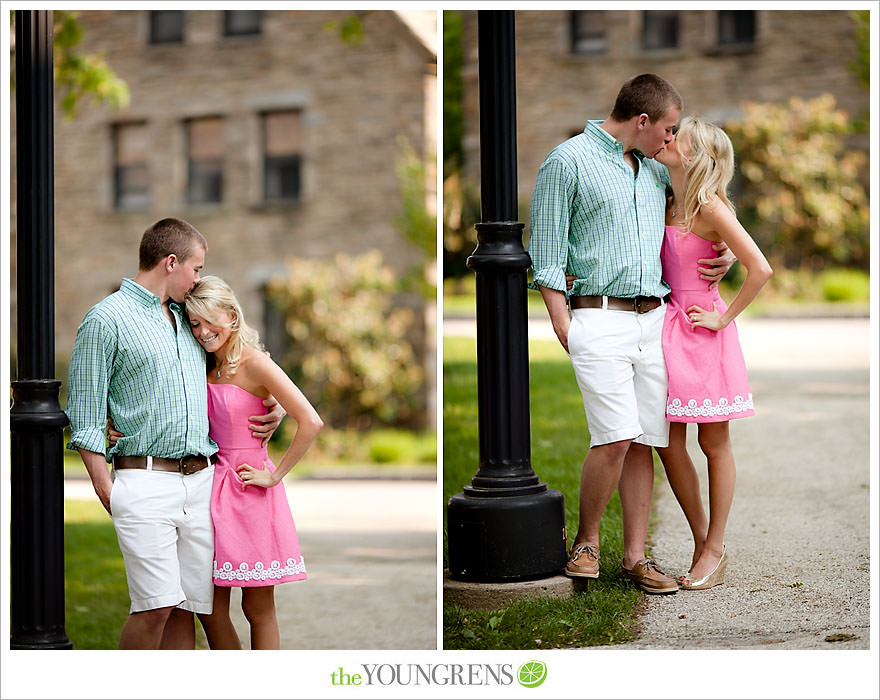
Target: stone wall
point(804, 53)
point(357, 103)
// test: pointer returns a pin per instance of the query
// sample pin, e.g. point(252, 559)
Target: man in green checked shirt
point(598, 213)
point(136, 360)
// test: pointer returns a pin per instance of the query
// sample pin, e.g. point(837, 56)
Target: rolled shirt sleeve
point(549, 217)
point(89, 379)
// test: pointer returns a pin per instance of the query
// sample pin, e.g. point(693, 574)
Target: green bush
point(841, 284)
point(349, 346)
point(802, 195)
point(390, 446)
point(402, 447)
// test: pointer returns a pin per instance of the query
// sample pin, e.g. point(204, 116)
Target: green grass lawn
point(605, 612)
point(96, 592)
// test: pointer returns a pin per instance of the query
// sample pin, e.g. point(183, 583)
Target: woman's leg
point(714, 440)
point(685, 483)
point(258, 605)
point(218, 626)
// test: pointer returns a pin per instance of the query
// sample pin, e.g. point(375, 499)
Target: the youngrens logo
point(529, 675)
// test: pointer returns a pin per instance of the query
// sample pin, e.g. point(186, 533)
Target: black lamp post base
point(506, 538)
point(43, 641)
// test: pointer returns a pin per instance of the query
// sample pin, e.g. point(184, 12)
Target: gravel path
point(798, 534)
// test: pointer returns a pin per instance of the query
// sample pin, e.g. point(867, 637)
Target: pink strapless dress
point(708, 382)
point(255, 542)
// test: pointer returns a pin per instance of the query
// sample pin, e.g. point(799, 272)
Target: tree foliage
point(802, 194)
point(461, 210)
point(80, 76)
point(350, 28)
point(415, 221)
point(349, 348)
point(862, 65)
point(453, 91)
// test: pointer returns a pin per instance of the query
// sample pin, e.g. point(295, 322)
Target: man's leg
point(599, 477)
point(180, 631)
point(143, 630)
point(143, 503)
point(636, 489)
point(637, 477)
point(195, 554)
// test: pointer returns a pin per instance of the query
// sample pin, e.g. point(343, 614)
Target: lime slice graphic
point(532, 673)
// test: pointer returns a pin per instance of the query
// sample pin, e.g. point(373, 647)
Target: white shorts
point(163, 524)
point(618, 362)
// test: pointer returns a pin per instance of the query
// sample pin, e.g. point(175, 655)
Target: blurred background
point(302, 144)
point(790, 88)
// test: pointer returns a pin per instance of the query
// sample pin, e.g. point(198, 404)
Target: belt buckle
point(637, 304)
point(188, 465)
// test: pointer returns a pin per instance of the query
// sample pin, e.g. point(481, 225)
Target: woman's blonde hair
point(710, 168)
point(210, 298)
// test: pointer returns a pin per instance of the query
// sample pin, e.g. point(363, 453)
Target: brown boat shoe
point(648, 576)
point(583, 560)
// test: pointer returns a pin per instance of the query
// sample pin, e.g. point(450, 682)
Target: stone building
point(270, 131)
point(570, 65)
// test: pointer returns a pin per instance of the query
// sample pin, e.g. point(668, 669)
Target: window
point(131, 185)
point(205, 160)
point(736, 27)
point(282, 159)
point(588, 32)
point(241, 22)
point(166, 26)
point(274, 334)
point(659, 30)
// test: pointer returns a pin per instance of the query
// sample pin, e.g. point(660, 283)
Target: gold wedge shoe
point(710, 580)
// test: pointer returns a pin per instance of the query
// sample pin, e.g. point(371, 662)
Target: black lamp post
point(506, 525)
point(36, 419)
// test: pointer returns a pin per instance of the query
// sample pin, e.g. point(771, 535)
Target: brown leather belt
point(190, 464)
point(640, 305)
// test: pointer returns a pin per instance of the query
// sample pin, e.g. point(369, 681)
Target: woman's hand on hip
point(251, 476)
point(705, 319)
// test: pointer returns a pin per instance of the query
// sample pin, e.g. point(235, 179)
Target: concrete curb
point(489, 596)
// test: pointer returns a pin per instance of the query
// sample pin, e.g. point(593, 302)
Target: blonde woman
point(255, 541)
point(708, 384)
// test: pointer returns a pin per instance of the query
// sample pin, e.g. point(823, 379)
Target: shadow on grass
point(606, 612)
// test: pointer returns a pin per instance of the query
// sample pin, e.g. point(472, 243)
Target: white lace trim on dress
point(259, 572)
point(724, 407)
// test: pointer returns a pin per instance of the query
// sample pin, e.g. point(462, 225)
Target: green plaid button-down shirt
point(592, 216)
point(128, 358)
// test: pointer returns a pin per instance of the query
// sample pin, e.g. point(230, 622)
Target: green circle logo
point(531, 674)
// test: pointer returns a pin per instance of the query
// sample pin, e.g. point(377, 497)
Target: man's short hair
point(645, 94)
point(169, 237)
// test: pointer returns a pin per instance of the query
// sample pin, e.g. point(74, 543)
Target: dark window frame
point(282, 174)
point(576, 45)
point(212, 177)
point(126, 198)
point(255, 29)
point(177, 37)
point(743, 28)
point(661, 15)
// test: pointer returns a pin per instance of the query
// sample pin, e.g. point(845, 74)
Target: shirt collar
point(143, 295)
point(606, 141)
